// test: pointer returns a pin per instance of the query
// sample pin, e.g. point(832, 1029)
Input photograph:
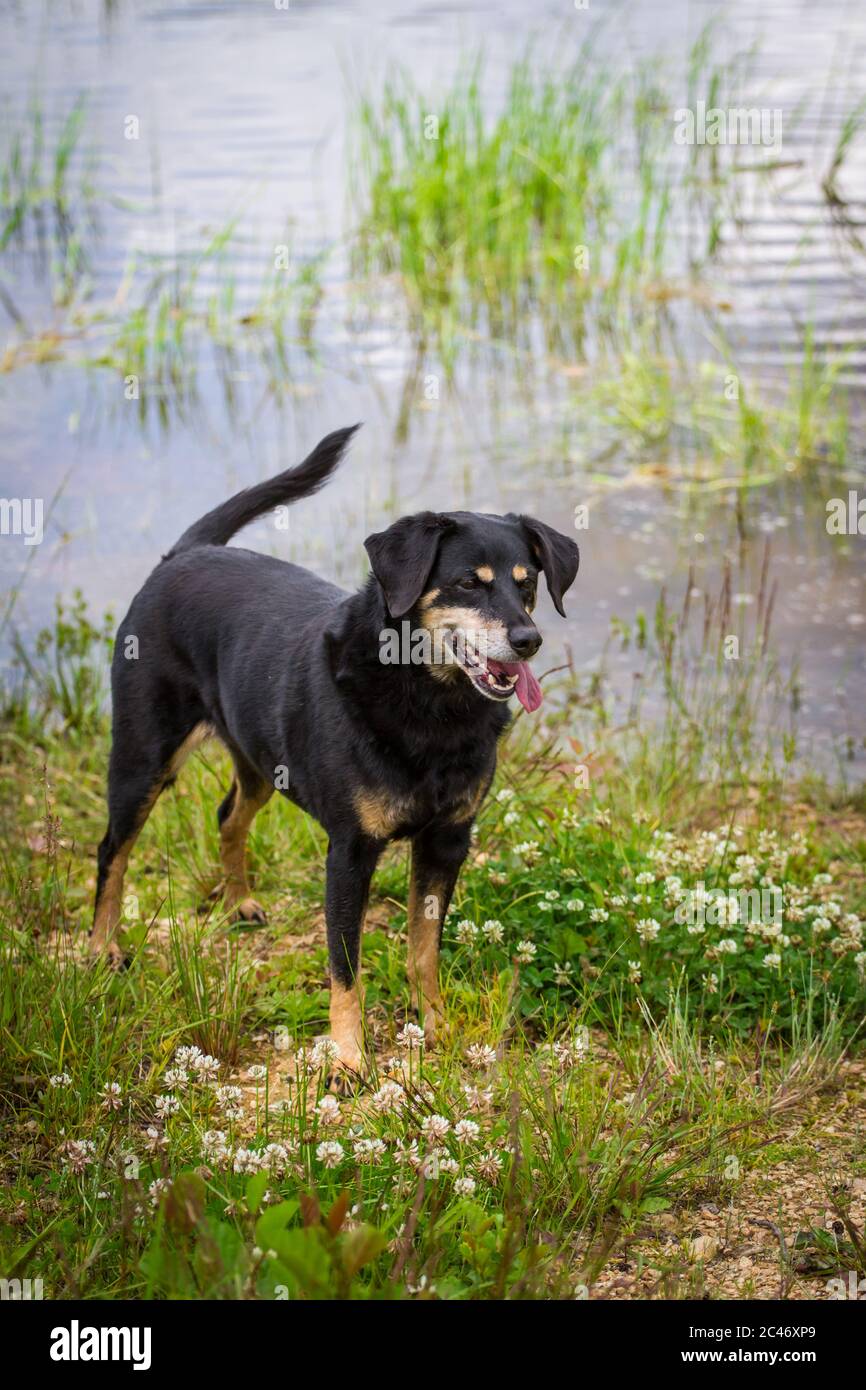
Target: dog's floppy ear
point(558, 556)
point(403, 556)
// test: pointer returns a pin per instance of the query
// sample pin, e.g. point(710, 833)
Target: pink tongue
point(528, 690)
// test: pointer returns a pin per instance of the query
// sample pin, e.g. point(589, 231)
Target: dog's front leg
point(437, 855)
point(350, 868)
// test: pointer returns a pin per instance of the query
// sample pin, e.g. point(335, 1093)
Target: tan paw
point(111, 952)
point(248, 910)
point(346, 1077)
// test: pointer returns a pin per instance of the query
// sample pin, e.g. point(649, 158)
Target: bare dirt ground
point(758, 1237)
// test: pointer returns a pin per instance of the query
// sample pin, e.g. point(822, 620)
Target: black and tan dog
point(290, 672)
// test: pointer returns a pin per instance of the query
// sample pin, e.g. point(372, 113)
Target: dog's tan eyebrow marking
point(485, 574)
point(519, 572)
point(426, 600)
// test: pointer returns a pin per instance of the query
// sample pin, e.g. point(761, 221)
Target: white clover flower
point(552, 895)
point(634, 972)
point(710, 983)
point(60, 1079)
point(821, 880)
point(506, 794)
point(466, 932)
point(368, 1151)
point(175, 1079)
point(275, 1157)
point(644, 878)
point(78, 1154)
point(466, 1131)
point(325, 1053)
point(489, 1166)
point(154, 1139)
point(860, 962)
point(648, 928)
point(166, 1105)
point(331, 1153)
point(544, 906)
point(464, 1187)
point(510, 818)
point(526, 951)
point(246, 1161)
point(214, 1146)
point(529, 851)
point(480, 1055)
point(563, 974)
point(772, 959)
point(229, 1096)
point(156, 1189)
point(478, 1099)
point(435, 1127)
point(411, 1037)
point(574, 905)
point(185, 1057)
point(727, 946)
point(407, 1153)
point(328, 1111)
point(257, 1073)
point(111, 1097)
point(769, 930)
point(389, 1097)
point(493, 930)
point(618, 900)
point(598, 914)
point(205, 1066)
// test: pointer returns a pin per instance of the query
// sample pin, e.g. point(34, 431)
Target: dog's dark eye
point(468, 583)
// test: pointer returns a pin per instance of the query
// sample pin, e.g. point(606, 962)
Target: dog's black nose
point(525, 641)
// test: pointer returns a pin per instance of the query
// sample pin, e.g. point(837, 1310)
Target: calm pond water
point(243, 113)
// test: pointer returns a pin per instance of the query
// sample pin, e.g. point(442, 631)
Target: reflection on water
point(242, 115)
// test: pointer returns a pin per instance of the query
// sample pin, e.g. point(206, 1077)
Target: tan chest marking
point(380, 813)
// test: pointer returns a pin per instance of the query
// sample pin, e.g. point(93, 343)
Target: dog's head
point(469, 582)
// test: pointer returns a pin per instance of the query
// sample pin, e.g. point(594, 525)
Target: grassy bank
point(608, 1071)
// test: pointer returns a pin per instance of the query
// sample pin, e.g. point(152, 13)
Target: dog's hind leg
point(437, 854)
point(247, 795)
point(138, 771)
point(350, 868)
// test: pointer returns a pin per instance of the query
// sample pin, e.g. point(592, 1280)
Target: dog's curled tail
point(218, 527)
